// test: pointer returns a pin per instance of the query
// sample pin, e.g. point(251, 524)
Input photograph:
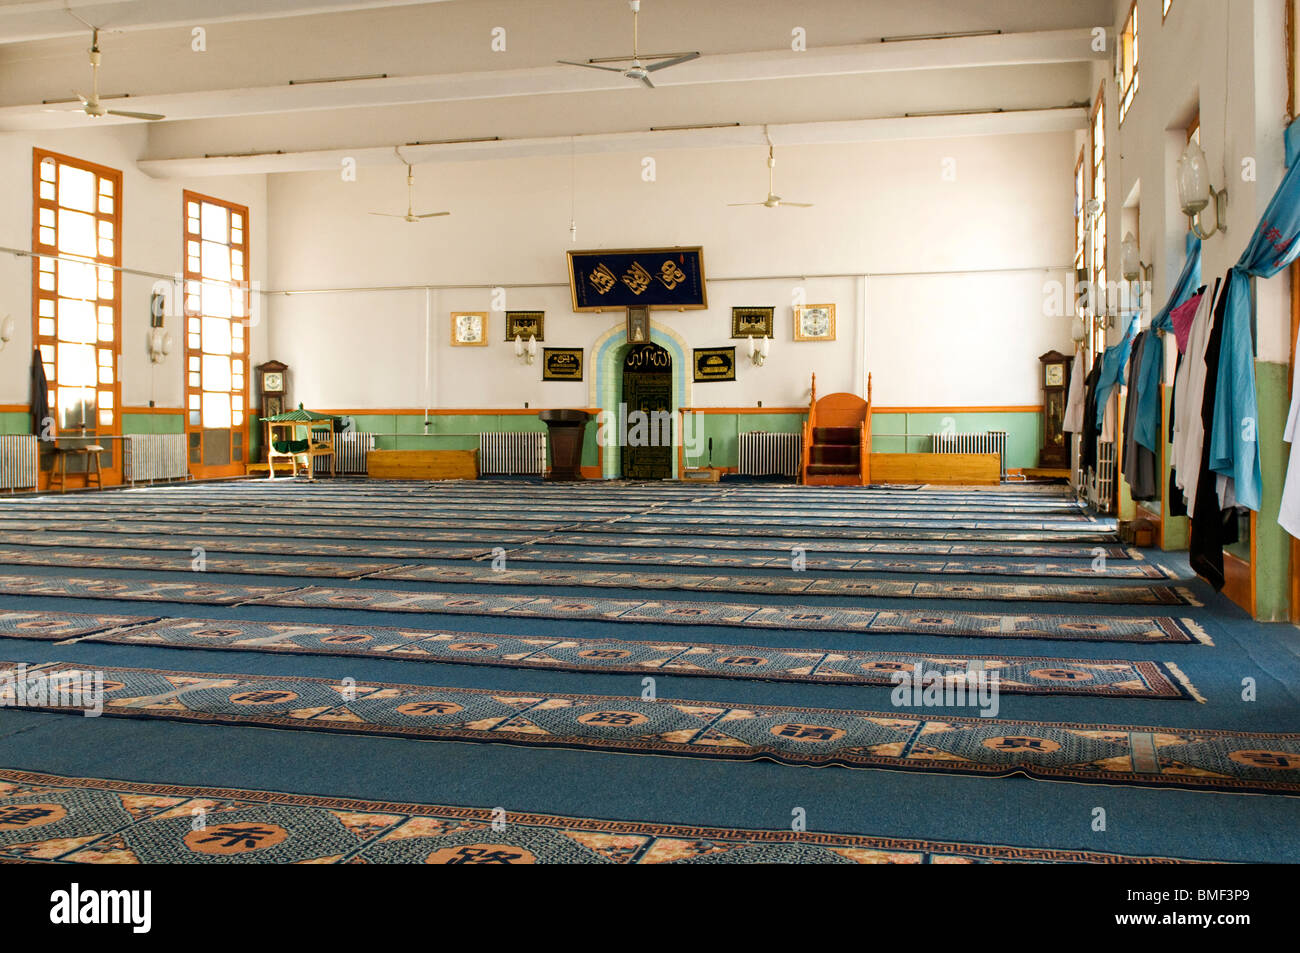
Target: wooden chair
point(837, 439)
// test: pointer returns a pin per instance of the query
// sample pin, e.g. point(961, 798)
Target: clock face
point(1055, 376)
point(272, 380)
point(469, 327)
point(816, 323)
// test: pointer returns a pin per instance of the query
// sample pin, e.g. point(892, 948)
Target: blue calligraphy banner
point(652, 277)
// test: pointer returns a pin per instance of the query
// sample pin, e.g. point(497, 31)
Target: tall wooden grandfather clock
point(271, 383)
point(1055, 377)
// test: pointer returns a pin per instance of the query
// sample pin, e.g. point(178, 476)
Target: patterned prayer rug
point(613, 534)
point(222, 593)
point(51, 626)
point(187, 562)
point(288, 547)
point(1038, 676)
point(88, 821)
point(1086, 628)
point(363, 525)
point(48, 550)
point(754, 541)
point(792, 583)
point(813, 560)
point(601, 500)
point(141, 590)
point(1205, 759)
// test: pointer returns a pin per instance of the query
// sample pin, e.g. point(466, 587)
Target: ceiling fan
point(410, 215)
point(91, 106)
point(636, 69)
point(773, 200)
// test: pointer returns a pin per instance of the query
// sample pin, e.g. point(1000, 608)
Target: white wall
point(1225, 59)
point(883, 209)
point(151, 242)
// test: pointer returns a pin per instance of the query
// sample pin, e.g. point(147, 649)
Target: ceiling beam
point(1057, 46)
point(25, 21)
point(785, 134)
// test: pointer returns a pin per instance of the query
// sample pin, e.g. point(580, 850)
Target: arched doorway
point(648, 402)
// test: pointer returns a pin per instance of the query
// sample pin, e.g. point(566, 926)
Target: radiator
point(512, 454)
point(350, 450)
point(17, 461)
point(154, 456)
point(989, 441)
point(1101, 484)
point(770, 454)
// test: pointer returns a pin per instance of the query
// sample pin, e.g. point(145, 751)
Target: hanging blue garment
point(1234, 449)
point(1113, 362)
point(1146, 420)
point(1189, 279)
point(1146, 429)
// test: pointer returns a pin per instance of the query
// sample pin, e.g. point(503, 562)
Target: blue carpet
point(676, 790)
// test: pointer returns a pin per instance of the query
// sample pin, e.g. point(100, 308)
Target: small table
point(565, 429)
point(59, 468)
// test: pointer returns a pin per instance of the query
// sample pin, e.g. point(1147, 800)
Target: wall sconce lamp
point(158, 344)
point(6, 331)
point(527, 353)
point(758, 352)
point(1131, 260)
point(1195, 191)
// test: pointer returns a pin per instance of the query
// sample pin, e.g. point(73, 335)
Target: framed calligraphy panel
point(627, 278)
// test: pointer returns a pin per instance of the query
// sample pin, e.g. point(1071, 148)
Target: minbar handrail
point(808, 425)
point(864, 453)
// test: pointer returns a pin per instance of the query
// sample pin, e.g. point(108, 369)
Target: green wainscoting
point(1272, 543)
point(913, 430)
point(909, 431)
point(152, 423)
point(454, 431)
point(13, 422)
point(725, 429)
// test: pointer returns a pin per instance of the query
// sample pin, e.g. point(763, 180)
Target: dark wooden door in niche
point(648, 399)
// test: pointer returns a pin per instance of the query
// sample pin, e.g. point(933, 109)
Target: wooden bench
point(422, 464)
point(968, 469)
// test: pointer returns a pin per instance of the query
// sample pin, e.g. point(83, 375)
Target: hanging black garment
point(1174, 500)
point(1209, 532)
point(40, 395)
point(1139, 462)
point(1088, 445)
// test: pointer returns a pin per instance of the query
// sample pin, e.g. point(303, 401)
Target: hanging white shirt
point(1073, 422)
point(1107, 434)
point(1288, 516)
point(1191, 398)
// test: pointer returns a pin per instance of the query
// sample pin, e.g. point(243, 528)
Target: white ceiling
point(443, 81)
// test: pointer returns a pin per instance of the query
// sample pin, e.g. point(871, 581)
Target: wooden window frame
point(1293, 548)
point(1129, 86)
point(1290, 16)
point(239, 467)
point(1080, 236)
point(1097, 338)
point(111, 460)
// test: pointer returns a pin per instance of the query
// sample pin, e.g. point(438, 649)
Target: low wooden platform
point(422, 464)
point(963, 468)
point(1046, 473)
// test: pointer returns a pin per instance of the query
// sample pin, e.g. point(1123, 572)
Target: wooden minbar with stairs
point(837, 439)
